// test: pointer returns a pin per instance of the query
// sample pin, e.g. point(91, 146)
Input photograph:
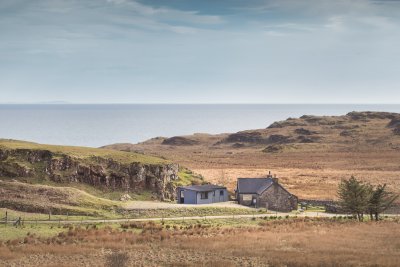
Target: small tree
point(380, 200)
point(354, 196)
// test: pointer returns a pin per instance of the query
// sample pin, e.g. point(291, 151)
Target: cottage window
point(221, 193)
point(204, 195)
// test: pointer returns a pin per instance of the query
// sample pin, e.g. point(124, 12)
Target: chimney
point(269, 175)
point(275, 180)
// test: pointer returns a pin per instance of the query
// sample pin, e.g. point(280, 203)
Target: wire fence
point(17, 221)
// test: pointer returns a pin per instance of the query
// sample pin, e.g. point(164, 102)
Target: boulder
point(272, 149)
point(125, 197)
point(238, 145)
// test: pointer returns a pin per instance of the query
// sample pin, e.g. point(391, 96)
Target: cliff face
point(94, 170)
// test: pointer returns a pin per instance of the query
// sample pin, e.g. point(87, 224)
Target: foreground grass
point(289, 242)
point(190, 212)
point(28, 216)
point(9, 232)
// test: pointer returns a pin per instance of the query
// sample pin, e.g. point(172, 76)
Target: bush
point(117, 259)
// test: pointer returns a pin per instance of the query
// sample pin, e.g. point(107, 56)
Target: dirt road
point(144, 205)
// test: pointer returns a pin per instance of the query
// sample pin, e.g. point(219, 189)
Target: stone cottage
point(265, 193)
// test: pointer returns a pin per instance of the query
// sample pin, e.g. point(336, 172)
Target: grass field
point(241, 242)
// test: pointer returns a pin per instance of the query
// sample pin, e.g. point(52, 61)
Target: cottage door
point(254, 200)
point(182, 197)
point(221, 195)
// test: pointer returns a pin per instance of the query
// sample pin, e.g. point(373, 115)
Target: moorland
point(59, 201)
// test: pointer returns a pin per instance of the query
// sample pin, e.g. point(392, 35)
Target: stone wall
point(278, 199)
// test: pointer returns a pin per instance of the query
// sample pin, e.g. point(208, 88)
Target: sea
point(96, 125)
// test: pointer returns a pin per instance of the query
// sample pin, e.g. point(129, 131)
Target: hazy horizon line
point(189, 103)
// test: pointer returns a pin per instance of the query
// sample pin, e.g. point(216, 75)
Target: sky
point(200, 51)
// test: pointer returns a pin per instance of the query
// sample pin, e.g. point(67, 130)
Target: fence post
point(6, 218)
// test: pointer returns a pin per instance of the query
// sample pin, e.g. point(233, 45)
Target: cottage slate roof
point(265, 187)
point(203, 188)
point(253, 185)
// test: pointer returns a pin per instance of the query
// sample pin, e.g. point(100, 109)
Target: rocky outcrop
point(286, 123)
point(365, 115)
point(396, 130)
point(395, 122)
point(336, 122)
point(96, 171)
point(303, 131)
point(179, 141)
point(247, 137)
point(257, 138)
point(395, 125)
point(278, 139)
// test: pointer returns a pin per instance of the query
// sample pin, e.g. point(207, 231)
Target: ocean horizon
point(96, 125)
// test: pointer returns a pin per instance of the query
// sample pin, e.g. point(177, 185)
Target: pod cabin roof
point(202, 188)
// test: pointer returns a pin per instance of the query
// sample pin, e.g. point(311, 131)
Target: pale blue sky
point(200, 51)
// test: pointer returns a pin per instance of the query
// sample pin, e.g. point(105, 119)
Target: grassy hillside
point(83, 181)
point(84, 153)
point(104, 169)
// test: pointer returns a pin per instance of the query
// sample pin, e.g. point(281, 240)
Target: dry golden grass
point(309, 174)
point(292, 242)
point(305, 183)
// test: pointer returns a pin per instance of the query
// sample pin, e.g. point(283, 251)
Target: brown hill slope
point(310, 154)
